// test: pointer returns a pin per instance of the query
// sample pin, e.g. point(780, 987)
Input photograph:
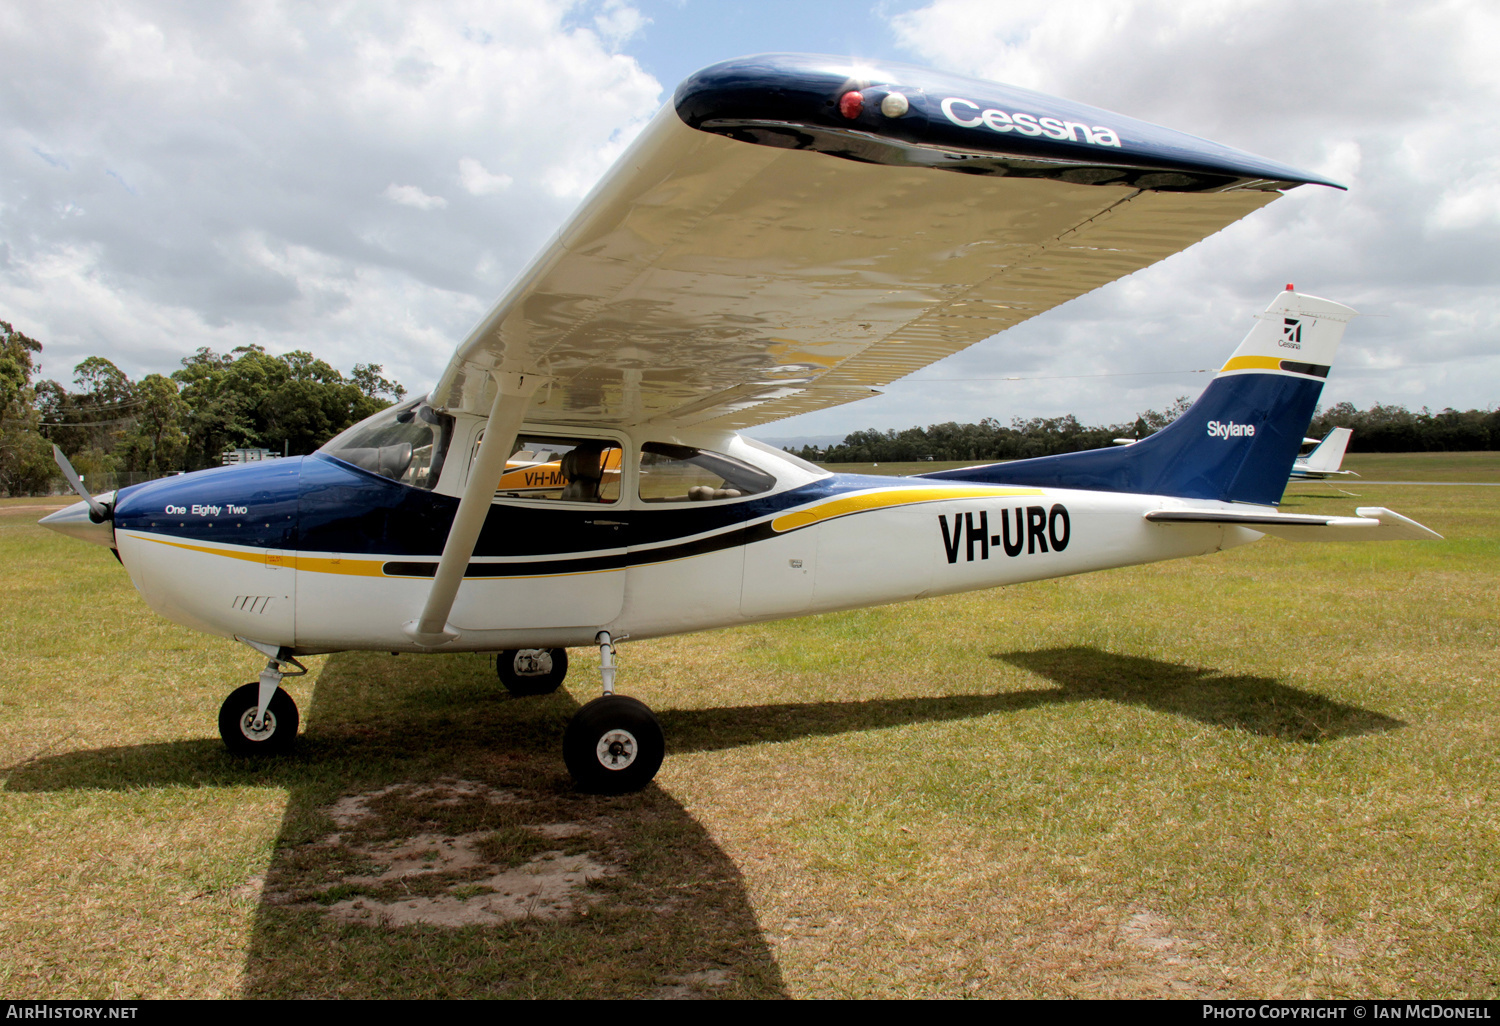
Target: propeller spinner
point(90, 520)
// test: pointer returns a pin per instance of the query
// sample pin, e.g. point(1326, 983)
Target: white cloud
point(1401, 102)
point(1466, 204)
point(480, 181)
point(413, 196)
point(618, 21)
point(274, 154)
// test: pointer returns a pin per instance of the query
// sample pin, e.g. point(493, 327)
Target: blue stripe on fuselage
point(322, 504)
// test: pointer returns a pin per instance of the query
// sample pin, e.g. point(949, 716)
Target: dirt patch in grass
point(373, 871)
point(437, 849)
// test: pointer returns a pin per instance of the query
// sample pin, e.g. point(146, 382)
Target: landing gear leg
point(261, 718)
point(613, 745)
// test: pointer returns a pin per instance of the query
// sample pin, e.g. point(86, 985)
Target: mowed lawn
point(1268, 772)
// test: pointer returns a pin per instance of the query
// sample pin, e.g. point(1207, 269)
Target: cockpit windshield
point(405, 443)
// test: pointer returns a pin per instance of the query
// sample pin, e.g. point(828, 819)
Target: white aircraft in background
point(1324, 461)
point(787, 233)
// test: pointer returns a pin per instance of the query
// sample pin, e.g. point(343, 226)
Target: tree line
point(108, 424)
point(1381, 428)
point(1397, 429)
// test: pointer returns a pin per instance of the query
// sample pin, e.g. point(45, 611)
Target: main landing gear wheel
point(237, 722)
point(613, 745)
point(532, 671)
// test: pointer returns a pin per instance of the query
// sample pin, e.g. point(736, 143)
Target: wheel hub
point(267, 727)
point(534, 662)
point(617, 749)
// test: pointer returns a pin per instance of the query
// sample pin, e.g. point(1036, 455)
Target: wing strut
point(513, 394)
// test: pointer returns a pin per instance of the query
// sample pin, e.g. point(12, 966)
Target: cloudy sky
point(362, 179)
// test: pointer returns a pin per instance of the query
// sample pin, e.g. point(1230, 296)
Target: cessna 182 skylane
point(787, 233)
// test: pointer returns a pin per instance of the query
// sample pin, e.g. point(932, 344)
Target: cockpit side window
point(406, 443)
point(682, 473)
point(563, 469)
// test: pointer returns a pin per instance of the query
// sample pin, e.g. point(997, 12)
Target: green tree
point(25, 457)
point(292, 403)
point(157, 443)
point(367, 378)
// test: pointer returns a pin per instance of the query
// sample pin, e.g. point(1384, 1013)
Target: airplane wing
point(1373, 523)
point(792, 231)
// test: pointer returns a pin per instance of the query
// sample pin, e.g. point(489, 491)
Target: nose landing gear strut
point(261, 718)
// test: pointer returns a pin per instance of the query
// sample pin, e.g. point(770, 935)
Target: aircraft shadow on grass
point(667, 913)
point(664, 919)
point(1260, 705)
point(434, 726)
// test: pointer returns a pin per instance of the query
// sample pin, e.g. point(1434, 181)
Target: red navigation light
point(1290, 287)
point(851, 103)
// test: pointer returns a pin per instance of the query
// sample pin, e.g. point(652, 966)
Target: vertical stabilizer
point(1328, 457)
point(1238, 442)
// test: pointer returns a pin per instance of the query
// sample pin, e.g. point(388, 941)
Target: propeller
point(98, 512)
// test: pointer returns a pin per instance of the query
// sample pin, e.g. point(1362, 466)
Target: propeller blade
point(77, 483)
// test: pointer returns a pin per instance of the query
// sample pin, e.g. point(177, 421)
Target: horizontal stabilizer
point(1374, 523)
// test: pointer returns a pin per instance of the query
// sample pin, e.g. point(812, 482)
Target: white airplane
point(1324, 461)
point(787, 233)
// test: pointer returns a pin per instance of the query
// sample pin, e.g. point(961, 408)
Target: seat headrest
point(582, 464)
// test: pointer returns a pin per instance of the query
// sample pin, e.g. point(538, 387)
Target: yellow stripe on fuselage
point(347, 566)
point(892, 497)
point(317, 564)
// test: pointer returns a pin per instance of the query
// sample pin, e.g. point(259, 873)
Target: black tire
point(532, 671)
point(238, 712)
point(613, 745)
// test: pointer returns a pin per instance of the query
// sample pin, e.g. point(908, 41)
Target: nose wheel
point(243, 735)
point(613, 745)
point(260, 718)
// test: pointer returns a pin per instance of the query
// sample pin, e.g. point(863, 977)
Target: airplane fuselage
point(317, 555)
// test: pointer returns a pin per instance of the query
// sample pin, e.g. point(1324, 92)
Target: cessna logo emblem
point(967, 114)
point(1026, 527)
point(1291, 333)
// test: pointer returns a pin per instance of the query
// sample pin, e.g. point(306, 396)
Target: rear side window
point(682, 473)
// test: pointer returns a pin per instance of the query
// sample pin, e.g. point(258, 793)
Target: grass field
point(1269, 772)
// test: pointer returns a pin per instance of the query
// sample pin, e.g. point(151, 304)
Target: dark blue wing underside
point(959, 124)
